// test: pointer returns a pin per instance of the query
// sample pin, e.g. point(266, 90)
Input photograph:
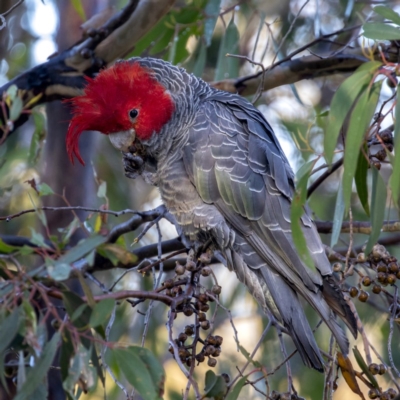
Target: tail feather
point(334, 297)
point(293, 318)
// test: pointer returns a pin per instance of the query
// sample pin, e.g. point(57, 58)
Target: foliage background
point(262, 31)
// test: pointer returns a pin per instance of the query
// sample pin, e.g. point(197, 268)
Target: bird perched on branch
point(223, 175)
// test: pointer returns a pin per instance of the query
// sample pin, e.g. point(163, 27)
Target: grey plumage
point(223, 175)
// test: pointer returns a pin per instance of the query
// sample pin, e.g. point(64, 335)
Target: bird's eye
point(133, 113)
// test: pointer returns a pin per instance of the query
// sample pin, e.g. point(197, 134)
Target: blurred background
point(264, 31)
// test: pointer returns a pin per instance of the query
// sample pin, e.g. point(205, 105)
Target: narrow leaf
point(296, 212)
point(348, 374)
point(364, 367)
point(84, 247)
point(36, 375)
point(79, 8)
point(395, 178)
point(361, 180)
point(381, 31)
point(378, 203)
point(212, 12)
point(200, 61)
point(9, 328)
point(388, 13)
point(342, 103)
point(228, 67)
point(338, 216)
point(358, 125)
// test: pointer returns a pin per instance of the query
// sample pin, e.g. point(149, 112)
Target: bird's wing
point(236, 163)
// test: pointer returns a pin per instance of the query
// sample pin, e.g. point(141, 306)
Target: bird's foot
point(133, 165)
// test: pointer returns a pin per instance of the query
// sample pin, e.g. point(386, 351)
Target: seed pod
point(182, 337)
point(183, 353)
point(361, 257)
point(382, 267)
point(393, 267)
point(189, 330)
point(376, 289)
point(171, 349)
point(216, 289)
point(382, 369)
point(205, 325)
point(219, 340)
point(366, 281)
point(188, 311)
point(209, 349)
point(205, 258)
point(180, 269)
point(169, 283)
point(353, 291)
point(216, 352)
point(202, 317)
point(204, 307)
point(212, 362)
point(203, 298)
point(373, 368)
point(381, 276)
point(211, 340)
point(385, 396)
point(190, 265)
point(398, 275)
point(392, 393)
point(189, 362)
point(337, 267)
point(363, 296)
point(373, 394)
point(55, 323)
point(205, 271)
point(200, 357)
point(391, 279)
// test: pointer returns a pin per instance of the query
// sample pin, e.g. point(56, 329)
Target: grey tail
point(293, 318)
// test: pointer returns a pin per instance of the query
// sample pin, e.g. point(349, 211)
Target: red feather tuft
point(109, 97)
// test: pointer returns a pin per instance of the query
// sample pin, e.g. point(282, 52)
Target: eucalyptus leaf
point(395, 178)
point(212, 12)
point(388, 13)
point(338, 216)
point(381, 31)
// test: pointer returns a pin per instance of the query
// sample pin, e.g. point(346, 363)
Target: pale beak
point(122, 140)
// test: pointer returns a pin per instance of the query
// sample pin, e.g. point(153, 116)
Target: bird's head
point(125, 102)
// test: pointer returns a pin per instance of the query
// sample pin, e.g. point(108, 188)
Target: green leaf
point(342, 103)
point(338, 216)
point(79, 8)
point(67, 351)
point(381, 31)
point(44, 189)
point(297, 211)
point(102, 190)
point(361, 180)
point(212, 12)
point(16, 108)
point(215, 385)
point(388, 13)
point(234, 394)
point(228, 67)
point(395, 178)
point(37, 373)
point(180, 51)
point(6, 248)
point(359, 122)
point(142, 370)
point(38, 239)
point(378, 208)
point(248, 358)
point(78, 311)
point(12, 92)
point(9, 328)
point(37, 138)
point(364, 367)
point(84, 247)
point(101, 312)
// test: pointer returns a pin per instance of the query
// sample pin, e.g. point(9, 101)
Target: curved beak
point(122, 140)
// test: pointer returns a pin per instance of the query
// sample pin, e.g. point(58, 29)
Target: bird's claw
point(133, 165)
